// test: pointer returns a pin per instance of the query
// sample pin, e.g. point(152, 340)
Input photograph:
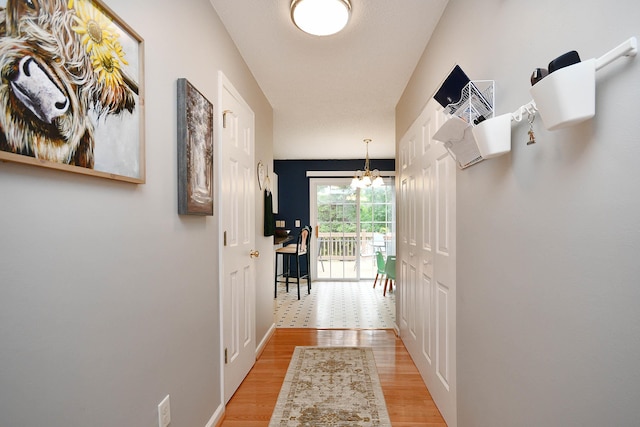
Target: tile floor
point(335, 305)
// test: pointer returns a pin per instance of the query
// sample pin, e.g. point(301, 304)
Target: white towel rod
point(628, 48)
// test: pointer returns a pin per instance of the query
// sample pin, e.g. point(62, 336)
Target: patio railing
point(344, 246)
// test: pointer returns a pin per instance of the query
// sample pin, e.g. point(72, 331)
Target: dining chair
point(380, 265)
point(296, 252)
point(390, 273)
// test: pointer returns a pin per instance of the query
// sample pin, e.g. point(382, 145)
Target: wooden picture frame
point(71, 89)
point(195, 151)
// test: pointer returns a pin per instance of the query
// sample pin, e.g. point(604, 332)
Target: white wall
point(549, 235)
point(108, 298)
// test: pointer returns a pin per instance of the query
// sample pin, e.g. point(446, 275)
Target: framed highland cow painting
point(195, 151)
point(71, 92)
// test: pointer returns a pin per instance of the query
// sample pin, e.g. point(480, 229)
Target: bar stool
point(300, 249)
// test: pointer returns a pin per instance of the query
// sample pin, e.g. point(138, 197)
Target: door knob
point(254, 254)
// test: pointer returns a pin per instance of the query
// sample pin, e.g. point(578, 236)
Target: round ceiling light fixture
point(320, 17)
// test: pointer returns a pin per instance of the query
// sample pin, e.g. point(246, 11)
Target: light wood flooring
point(408, 400)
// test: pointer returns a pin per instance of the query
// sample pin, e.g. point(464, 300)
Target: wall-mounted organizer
point(566, 96)
point(563, 98)
point(476, 105)
point(493, 136)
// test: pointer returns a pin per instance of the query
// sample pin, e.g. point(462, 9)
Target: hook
point(529, 108)
point(224, 118)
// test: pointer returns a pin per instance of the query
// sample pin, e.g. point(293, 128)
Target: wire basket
point(476, 102)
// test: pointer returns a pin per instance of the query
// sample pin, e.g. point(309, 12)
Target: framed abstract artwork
point(72, 90)
point(195, 151)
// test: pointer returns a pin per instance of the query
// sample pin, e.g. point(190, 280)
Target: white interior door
point(238, 233)
point(427, 258)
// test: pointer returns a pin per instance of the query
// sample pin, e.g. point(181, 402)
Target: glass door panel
point(337, 218)
point(377, 226)
point(352, 225)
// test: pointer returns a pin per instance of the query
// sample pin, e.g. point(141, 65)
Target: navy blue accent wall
point(293, 184)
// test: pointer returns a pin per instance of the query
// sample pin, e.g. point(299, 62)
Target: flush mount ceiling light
point(320, 17)
point(367, 178)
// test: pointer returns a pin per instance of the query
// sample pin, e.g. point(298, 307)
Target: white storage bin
point(476, 102)
point(567, 96)
point(458, 139)
point(493, 136)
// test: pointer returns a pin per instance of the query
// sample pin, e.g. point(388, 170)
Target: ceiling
point(329, 93)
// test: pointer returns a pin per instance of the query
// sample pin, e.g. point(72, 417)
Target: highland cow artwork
point(71, 92)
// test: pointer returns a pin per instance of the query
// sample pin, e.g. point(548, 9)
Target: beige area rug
point(331, 387)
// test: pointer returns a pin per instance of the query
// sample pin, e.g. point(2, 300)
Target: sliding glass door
point(377, 226)
point(351, 225)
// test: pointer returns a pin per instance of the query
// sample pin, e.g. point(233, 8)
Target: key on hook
point(532, 138)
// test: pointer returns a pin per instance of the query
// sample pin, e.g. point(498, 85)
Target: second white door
point(238, 234)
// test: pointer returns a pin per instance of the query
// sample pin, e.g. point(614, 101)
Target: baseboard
point(260, 347)
point(217, 417)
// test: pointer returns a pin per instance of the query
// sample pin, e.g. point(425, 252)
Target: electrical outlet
point(297, 223)
point(164, 413)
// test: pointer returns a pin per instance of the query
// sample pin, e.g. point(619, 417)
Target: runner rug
point(332, 387)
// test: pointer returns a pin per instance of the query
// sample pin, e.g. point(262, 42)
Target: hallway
point(407, 399)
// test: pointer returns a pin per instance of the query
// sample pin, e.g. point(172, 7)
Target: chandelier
point(320, 17)
point(367, 178)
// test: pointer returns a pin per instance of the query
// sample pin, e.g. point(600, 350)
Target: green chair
point(390, 272)
point(380, 264)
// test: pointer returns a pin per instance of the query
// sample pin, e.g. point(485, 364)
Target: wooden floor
point(408, 400)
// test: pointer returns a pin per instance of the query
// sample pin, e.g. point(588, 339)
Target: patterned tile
point(335, 305)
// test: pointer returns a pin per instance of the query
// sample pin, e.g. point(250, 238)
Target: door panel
point(403, 257)
point(412, 311)
point(427, 252)
point(334, 211)
point(413, 205)
point(443, 166)
point(233, 346)
point(410, 232)
point(427, 180)
point(238, 224)
point(404, 224)
point(442, 361)
point(445, 277)
point(427, 344)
